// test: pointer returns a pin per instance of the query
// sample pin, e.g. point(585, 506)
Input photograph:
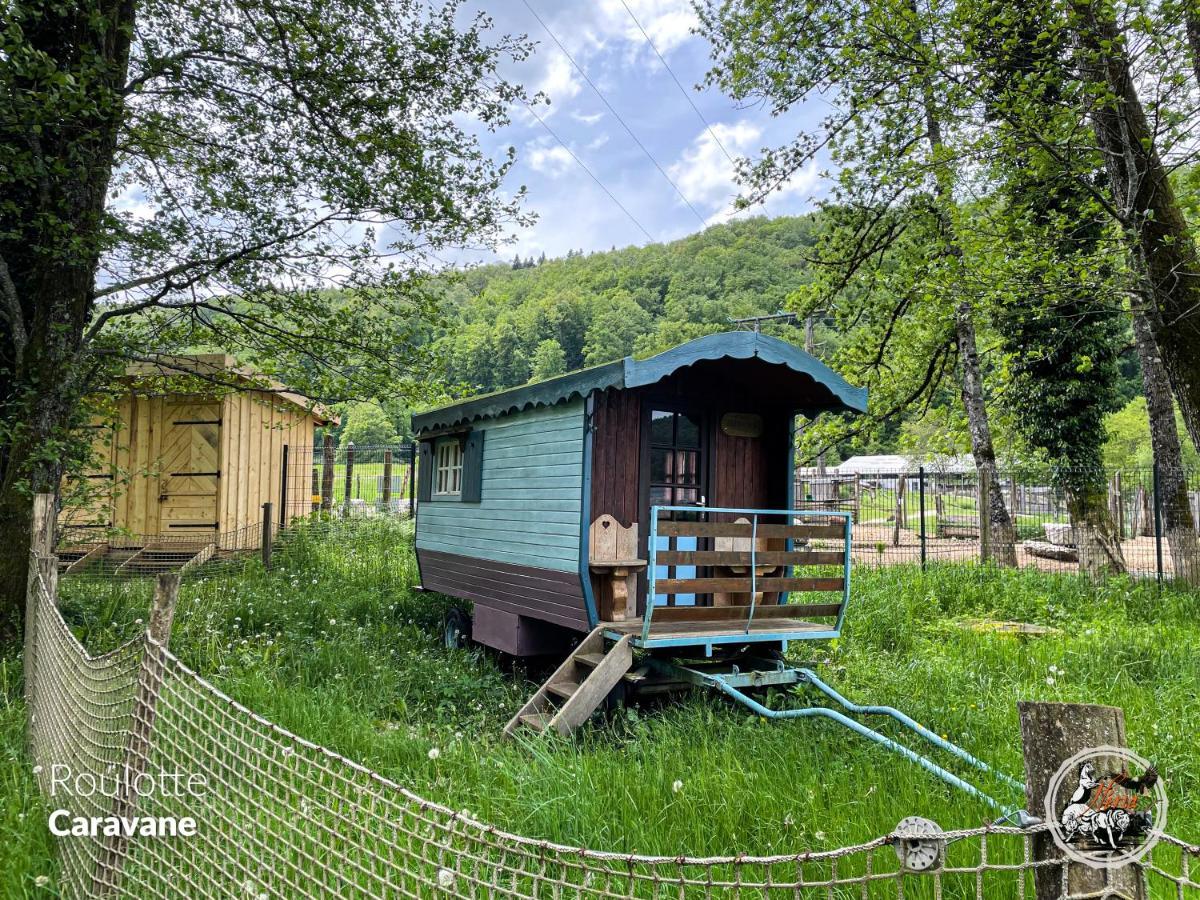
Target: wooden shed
point(194, 468)
point(643, 486)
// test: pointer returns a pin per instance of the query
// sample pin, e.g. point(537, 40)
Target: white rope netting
point(280, 817)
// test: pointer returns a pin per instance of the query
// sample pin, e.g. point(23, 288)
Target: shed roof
point(218, 367)
point(630, 372)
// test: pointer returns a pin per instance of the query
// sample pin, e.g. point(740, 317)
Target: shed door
point(189, 468)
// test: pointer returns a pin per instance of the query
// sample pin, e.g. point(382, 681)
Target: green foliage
point(1127, 439)
point(548, 360)
point(366, 425)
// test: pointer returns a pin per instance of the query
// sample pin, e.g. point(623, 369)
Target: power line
point(591, 174)
point(616, 114)
point(686, 96)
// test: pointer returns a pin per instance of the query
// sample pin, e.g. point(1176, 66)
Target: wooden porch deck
point(726, 628)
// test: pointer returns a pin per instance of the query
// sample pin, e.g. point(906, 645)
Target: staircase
point(577, 687)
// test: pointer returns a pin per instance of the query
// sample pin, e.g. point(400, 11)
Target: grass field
point(335, 646)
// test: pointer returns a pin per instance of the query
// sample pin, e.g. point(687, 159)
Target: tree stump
point(1052, 733)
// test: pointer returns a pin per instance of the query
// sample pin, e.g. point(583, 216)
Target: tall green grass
point(334, 645)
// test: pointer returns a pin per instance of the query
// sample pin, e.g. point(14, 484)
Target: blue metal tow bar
point(731, 682)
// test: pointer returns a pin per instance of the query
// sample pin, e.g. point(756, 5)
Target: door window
point(676, 479)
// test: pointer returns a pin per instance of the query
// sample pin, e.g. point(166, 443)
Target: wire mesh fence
point(1149, 519)
point(277, 816)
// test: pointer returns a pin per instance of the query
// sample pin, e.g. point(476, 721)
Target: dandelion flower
point(42, 880)
point(820, 835)
point(434, 752)
point(676, 786)
point(445, 879)
point(1050, 680)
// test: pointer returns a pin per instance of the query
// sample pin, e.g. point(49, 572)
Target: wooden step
point(569, 696)
point(563, 689)
point(536, 721)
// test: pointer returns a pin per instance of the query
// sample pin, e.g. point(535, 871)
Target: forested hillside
point(506, 325)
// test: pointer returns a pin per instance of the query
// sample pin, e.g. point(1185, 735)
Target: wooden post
point(1052, 733)
point(327, 473)
point(1119, 503)
point(349, 478)
point(985, 519)
point(283, 489)
point(107, 876)
point(387, 479)
point(921, 510)
point(42, 526)
point(899, 516)
point(412, 479)
point(41, 546)
point(268, 538)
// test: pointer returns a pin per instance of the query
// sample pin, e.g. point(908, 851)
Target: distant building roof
point(891, 464)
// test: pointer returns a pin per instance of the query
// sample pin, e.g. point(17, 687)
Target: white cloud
point(591, 119)
point(705, 174)
point(552, 161)
point(668, 22)
point(559, 80)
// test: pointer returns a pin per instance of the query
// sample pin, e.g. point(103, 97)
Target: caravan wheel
point(456, 633)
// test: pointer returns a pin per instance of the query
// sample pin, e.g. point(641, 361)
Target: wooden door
point(189, 468)
point(675, 473)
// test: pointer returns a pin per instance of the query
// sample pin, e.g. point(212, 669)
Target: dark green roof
point(630, 372)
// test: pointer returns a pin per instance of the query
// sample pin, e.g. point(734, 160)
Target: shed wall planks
point(531, 494)
point(153, 443)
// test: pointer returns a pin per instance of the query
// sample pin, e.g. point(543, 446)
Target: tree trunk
point(1168, 456)
point(1160, 244)
point(1094, 530)
point(1001, 546)
point(51, 237)
point(1192, 22)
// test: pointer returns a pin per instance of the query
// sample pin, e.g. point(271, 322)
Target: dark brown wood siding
point(544, 594)
point(615, 451)
point(750, 472)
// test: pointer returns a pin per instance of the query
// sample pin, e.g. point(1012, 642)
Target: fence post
point(327, 473)
point(1050, 734)
point(387, 479)
point(106, 879)
point(921, 509)
point(268, 539)
point(985, 518)
point(41, 546)
point(1158, 548)
point(283, 489)
point(349, 478)
point(412, 479)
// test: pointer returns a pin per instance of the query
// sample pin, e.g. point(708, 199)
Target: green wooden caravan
point(644, 499)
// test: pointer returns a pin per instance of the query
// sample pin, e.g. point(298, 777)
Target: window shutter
point(424, 471)
point(472, 473)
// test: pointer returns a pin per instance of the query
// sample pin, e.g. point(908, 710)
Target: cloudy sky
point(606, 42)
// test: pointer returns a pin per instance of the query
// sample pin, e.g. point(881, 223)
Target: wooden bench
point(612, 553)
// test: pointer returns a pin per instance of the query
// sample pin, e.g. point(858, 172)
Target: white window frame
point(447, 469)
